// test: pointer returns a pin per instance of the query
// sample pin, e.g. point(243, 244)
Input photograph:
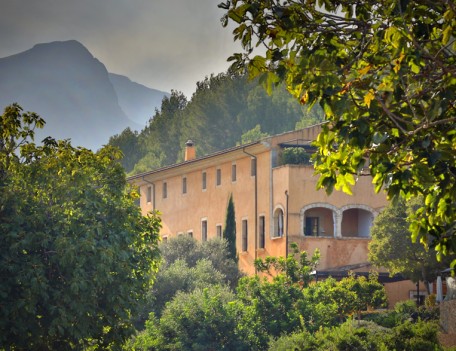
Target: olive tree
point(385, 74)
point(76, 255)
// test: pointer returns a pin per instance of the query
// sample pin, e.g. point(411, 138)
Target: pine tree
point(229, 232)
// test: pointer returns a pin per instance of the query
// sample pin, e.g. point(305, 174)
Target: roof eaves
point(198, 159)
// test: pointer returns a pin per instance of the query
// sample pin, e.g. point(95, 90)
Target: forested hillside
point(226, 109)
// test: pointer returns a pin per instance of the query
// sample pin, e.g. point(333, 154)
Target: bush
point(200, 320)
point(191, 251)
point(419, 336)
point(405, 307)
point(303, 341)
point(387, 319)
point(430, 301)
point(295, 156)
point(354, 336)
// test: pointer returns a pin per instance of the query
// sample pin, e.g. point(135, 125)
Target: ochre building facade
point(274, 202)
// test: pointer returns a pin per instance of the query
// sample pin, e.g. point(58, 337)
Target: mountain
point(136, 100)
point(72, 91)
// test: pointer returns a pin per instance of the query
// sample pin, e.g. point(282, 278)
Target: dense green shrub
point(303, 341)
point(419, 336)
point(387, 319)
point(295, 156)
point(191, 251)
point(403, 311)
point(364, 336)
point(201, 320)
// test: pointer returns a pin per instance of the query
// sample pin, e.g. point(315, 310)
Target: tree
point(295, 270)
point(275, 306)
point(180, 277)
point(391, 249)
point(385, 75)
point(127, 142)
point(252, 135)
point(223, 108)
point(229, 233)
point(186, 265)
point(200, 320)
point(76, 255)
point(159, 141)
point(190, 251)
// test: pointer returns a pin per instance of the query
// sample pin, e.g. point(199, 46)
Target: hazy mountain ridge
point(74, 93)
point(136, 100)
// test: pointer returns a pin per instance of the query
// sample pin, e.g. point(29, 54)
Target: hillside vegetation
point(227, 109)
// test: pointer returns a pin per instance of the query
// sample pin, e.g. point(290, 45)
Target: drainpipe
point(153, 191)
point(286, 228)
point(418, 294)
point(256, 203)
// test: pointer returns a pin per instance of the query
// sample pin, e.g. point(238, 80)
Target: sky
point(163, 44)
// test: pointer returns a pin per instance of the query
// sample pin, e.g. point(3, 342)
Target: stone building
point(275, 200)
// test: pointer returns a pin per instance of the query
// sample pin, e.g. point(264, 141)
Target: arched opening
point(318, 221)
point(278, 222)
point(356, 222)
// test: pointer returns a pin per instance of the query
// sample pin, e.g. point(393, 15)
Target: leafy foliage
point(403, 311)
point(391, 249)
point(191, 251)
point(187, 265)
point(180, 277)
point(229, 231)
point(295, 270)
point(252, 135)
point(76, 256)
point(385, 76)
point(284, 313)
point(224, 110)
point(366, 336)
point(127, 142)
point(200, 320)
point(295, 156)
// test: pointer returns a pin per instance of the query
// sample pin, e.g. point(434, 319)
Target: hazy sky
point(163, 44)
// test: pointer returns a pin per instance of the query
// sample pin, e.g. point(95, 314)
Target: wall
point(400, 291)
point(334, 252)
point(182, 213)
point(448, 316)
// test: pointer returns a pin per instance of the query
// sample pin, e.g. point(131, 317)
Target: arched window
point(278, 222)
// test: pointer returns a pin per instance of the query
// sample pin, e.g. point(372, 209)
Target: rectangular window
point(165, 239)
point(190, 234)
point(149, 194)
point(219, 231)
point(204, 230)
point(261, 232)
point(184, 185)
point(244, 235)
point(253, 166)
point(219, 177)
point(312, 226)
point(233, 173)
point(165, 190)
point(203, 179)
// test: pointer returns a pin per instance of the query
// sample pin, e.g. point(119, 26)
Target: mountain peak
point(63, 45)
point(70, 50)
point(69, 88)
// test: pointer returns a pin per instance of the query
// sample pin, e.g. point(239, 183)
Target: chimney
point(190, 153)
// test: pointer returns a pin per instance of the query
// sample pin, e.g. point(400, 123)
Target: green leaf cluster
point(391, 249)
point(385, 76)
point(224, 111)
point(187, 265)
point(76, 255)
point(229, 231)
point(262, 309)
point(295, 156)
